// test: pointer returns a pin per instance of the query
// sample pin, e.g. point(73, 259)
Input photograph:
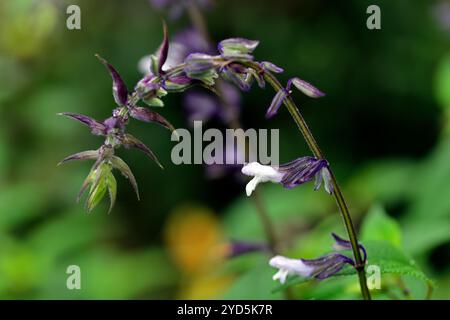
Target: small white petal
point(251, 186)
point(281, 275)
point(261, 173)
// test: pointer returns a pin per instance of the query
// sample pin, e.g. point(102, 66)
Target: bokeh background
point(384, 126)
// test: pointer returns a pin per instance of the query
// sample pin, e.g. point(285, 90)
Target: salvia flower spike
point(291, 174)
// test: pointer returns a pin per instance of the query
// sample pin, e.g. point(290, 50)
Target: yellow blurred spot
point(193, 236)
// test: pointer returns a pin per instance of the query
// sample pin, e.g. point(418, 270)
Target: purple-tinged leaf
point(147, 115)
point(120, 91)
point(163, 50)
point(276, 103)
point(130, 141)
point(305, 87)
point(97, 128)
point(83, 155)
point(120, 165)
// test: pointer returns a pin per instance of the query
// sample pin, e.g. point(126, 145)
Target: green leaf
point(422, 235)
point(378, 225)
point(121, 165)
point(391, 259)
point(111, 184)
point(98, 186)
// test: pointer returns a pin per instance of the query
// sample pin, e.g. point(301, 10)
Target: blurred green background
point(384, 126)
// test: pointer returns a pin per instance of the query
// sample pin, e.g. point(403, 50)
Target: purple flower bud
point(237, 48)
point(130, 141)
point(276, 103)
point(305, 87)
point(177, 83)
point(146, 115)
point(271, 67)
point(114, 125)
point(147, 86)
point(120, 91)
point(97, 128)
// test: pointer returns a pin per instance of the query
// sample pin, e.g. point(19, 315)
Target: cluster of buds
point(197, 69)
point(100, 179)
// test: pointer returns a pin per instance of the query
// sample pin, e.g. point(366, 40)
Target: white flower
point(261, 173)
point(289, 266)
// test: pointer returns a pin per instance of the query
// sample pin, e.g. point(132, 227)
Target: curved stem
point(310, 140)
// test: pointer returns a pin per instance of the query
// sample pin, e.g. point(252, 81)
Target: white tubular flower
point(261, 173)
point(288, 266)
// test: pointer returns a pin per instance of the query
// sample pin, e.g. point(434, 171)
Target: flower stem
point(266, 222)
point(311, 141)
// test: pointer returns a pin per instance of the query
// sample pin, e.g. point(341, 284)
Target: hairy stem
point(310, 140)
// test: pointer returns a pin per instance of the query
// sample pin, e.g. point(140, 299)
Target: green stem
point(266, 222)
point(310, 140)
